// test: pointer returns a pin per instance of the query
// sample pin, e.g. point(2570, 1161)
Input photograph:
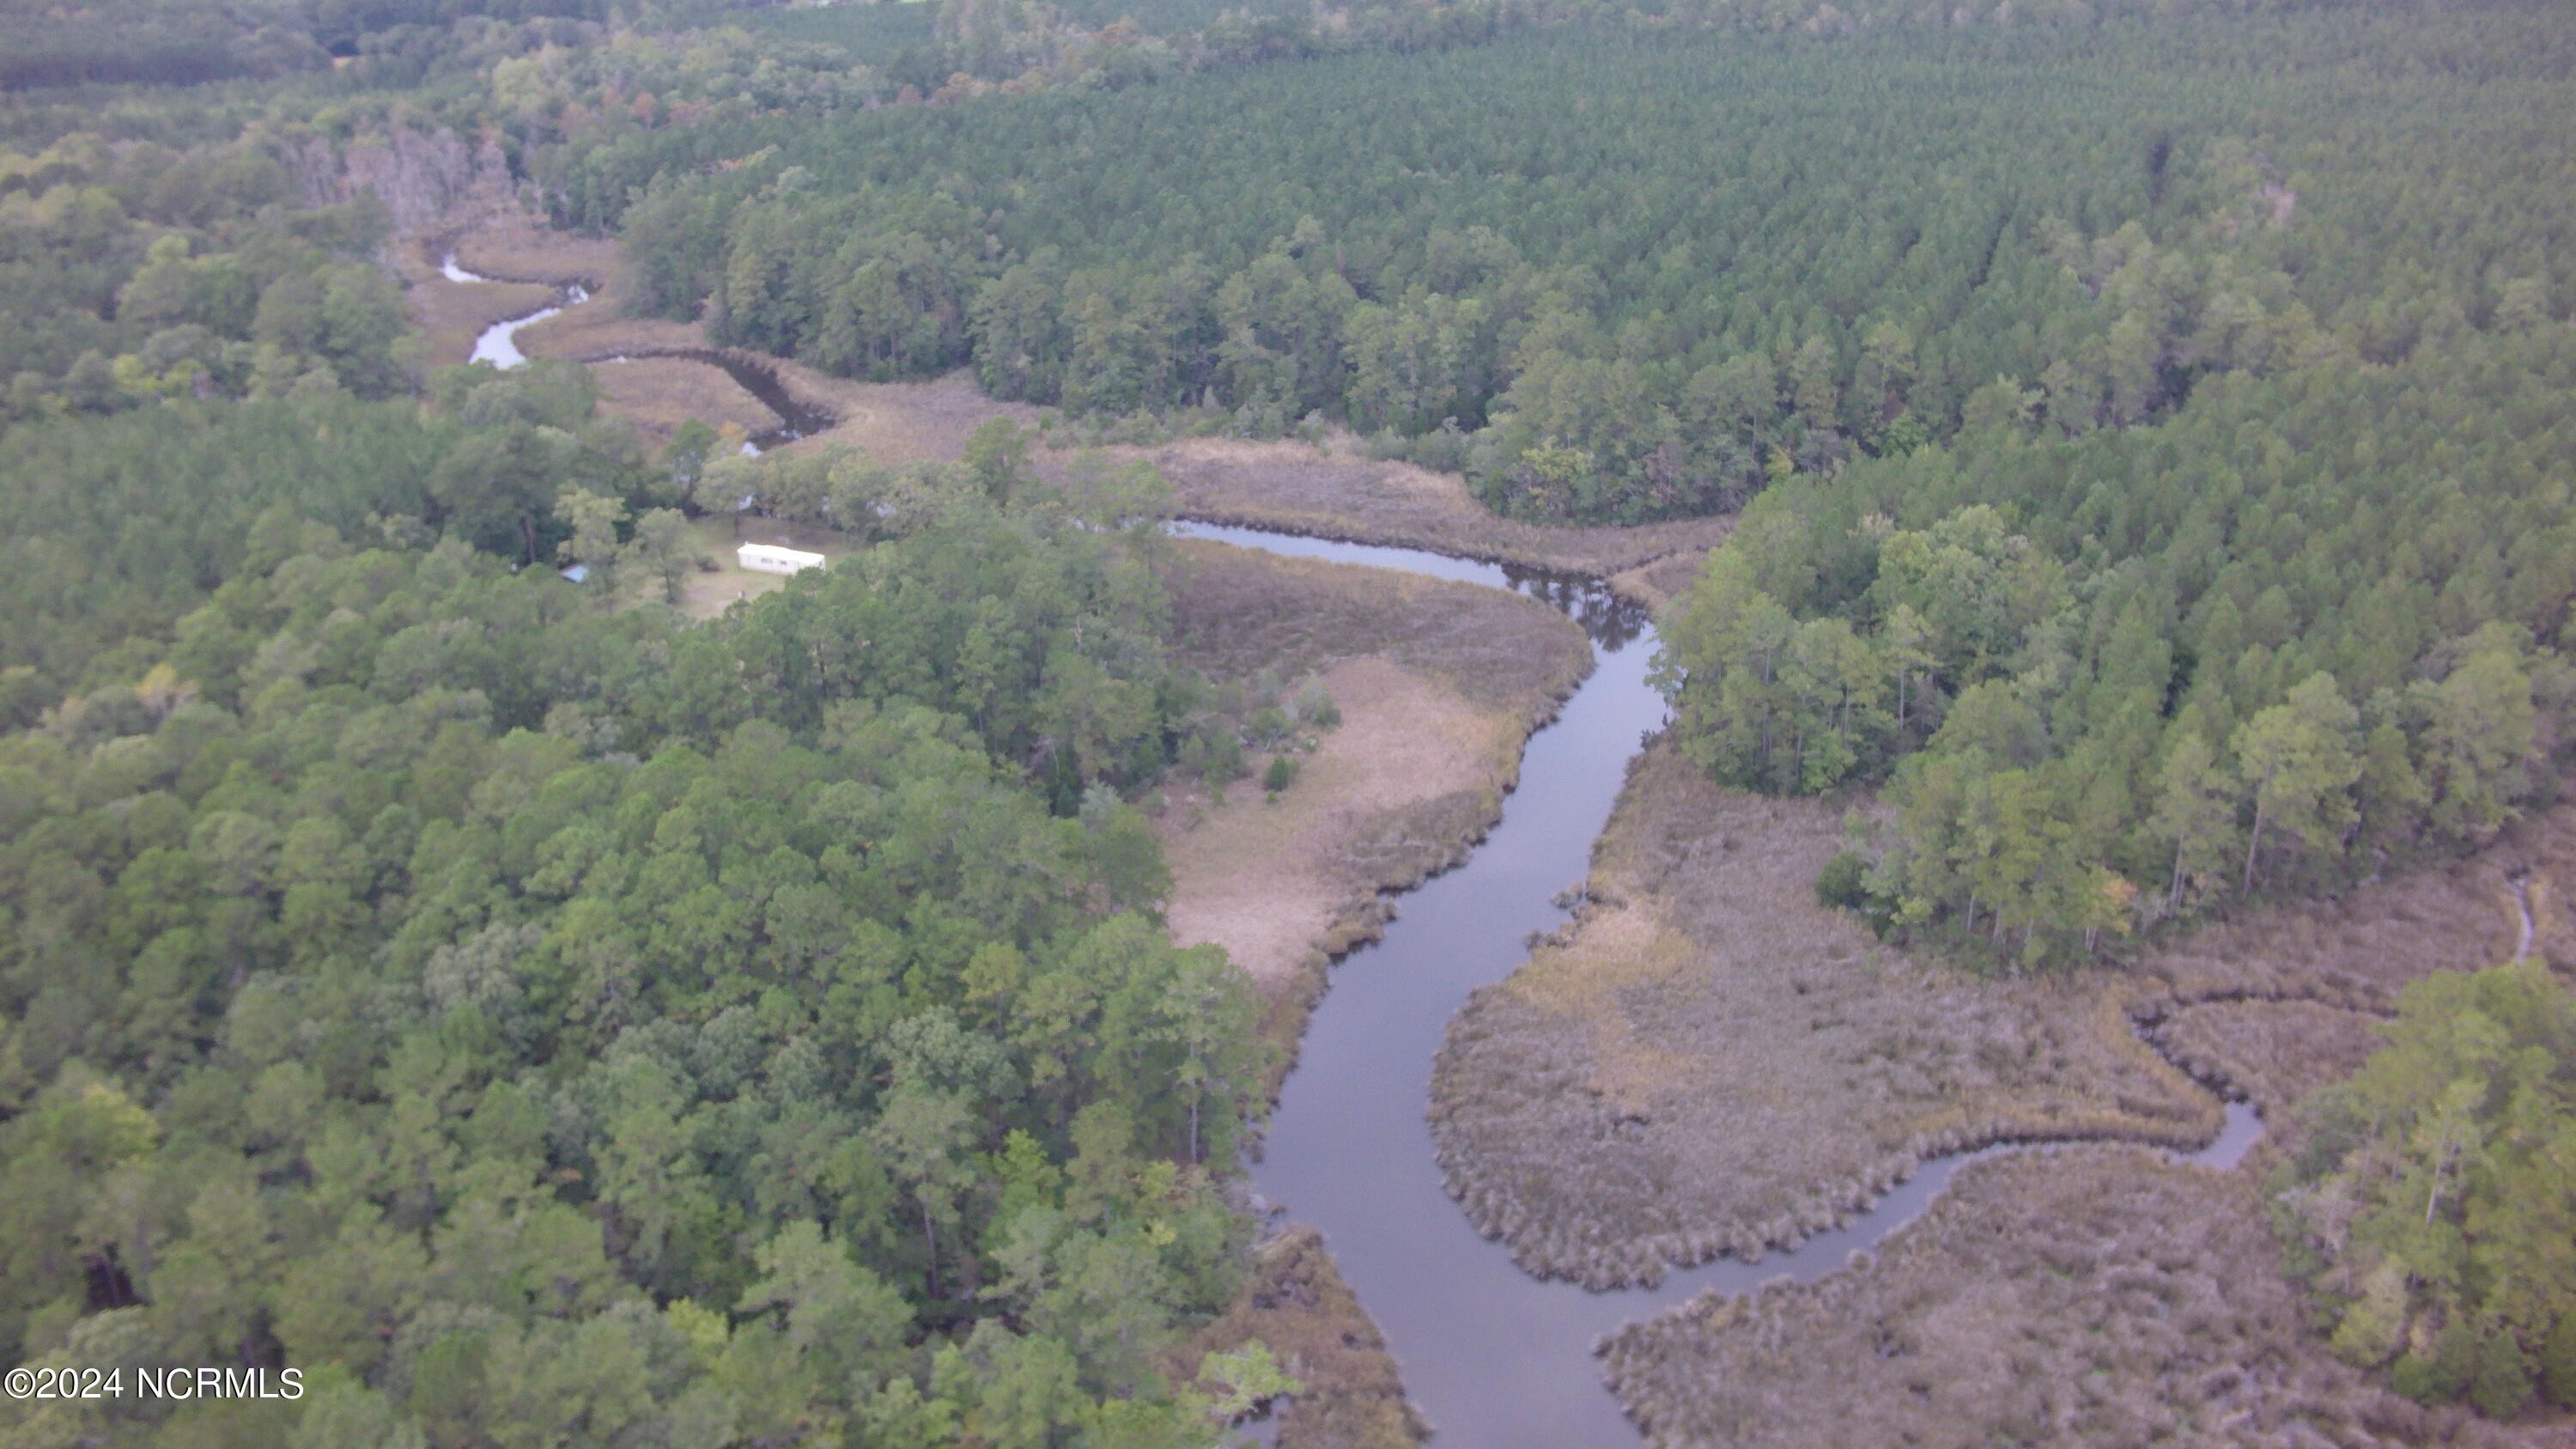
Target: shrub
point(1281, 774)
point(2413, 1377)
point(2455, 1360)
point(1268, 726)
point(1844, 882)
point(2501, 1382)
point(1315, 707)
point(2558, 1363)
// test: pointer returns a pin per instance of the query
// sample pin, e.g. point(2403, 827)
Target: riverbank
point(1438, 685)
point(1708, 1062)
point(1294, 1301)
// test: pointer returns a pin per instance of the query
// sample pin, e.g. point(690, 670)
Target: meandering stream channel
point(1496, 1358)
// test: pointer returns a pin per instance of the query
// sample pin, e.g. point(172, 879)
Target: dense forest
point(550, 1022)
point(2307, 628)
point(575, 1026)
point(1724, 257)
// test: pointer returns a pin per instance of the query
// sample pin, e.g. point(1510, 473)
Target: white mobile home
point(769, 558)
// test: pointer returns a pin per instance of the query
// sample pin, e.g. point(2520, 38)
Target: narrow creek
point(1497, 1359)
point(498, 345)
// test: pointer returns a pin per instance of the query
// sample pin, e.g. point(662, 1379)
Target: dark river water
point(1496, 1358)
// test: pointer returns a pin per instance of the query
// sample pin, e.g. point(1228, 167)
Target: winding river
point(498, 345)
point(1497, 1359)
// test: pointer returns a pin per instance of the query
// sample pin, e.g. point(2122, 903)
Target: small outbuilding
point(769, 558)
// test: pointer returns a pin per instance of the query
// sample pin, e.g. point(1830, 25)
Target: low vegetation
point(1406, 698)
point(2082, 1295)
point(1708, 1061)
point(1294, 1302)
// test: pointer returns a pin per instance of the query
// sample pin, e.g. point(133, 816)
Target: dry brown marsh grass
point(1294, 1300)
point(1657, 584)
point(1438, 683)
point(2088, 1295)
point(1710, 1062)
point(1296, 488)
point(658, 394)
point(452, 314)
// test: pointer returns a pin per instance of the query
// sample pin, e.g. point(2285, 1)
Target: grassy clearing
point(1295, 1301)
point(1438, 685)
point(708, 592)
point(2083, 1295)
point(1710, 1062)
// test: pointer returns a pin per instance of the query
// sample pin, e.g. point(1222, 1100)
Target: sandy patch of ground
point(1438, 685)
point(1266, 879)
point(658, 394)
point(2074, 1296)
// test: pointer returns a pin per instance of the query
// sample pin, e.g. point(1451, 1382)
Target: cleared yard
point(709, 592)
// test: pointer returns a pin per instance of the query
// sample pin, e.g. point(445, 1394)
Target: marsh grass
point(1295, 1301)
point(1711, 1062)
point(2088, 1295)
point(1658, 583)
point(1335, 492)
point(1437, 685)
point(658, 394)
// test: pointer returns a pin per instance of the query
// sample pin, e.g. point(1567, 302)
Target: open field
point(1708, 1062)
point(2089, 1295)
point(1295, 1301)
point(1438, 685)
